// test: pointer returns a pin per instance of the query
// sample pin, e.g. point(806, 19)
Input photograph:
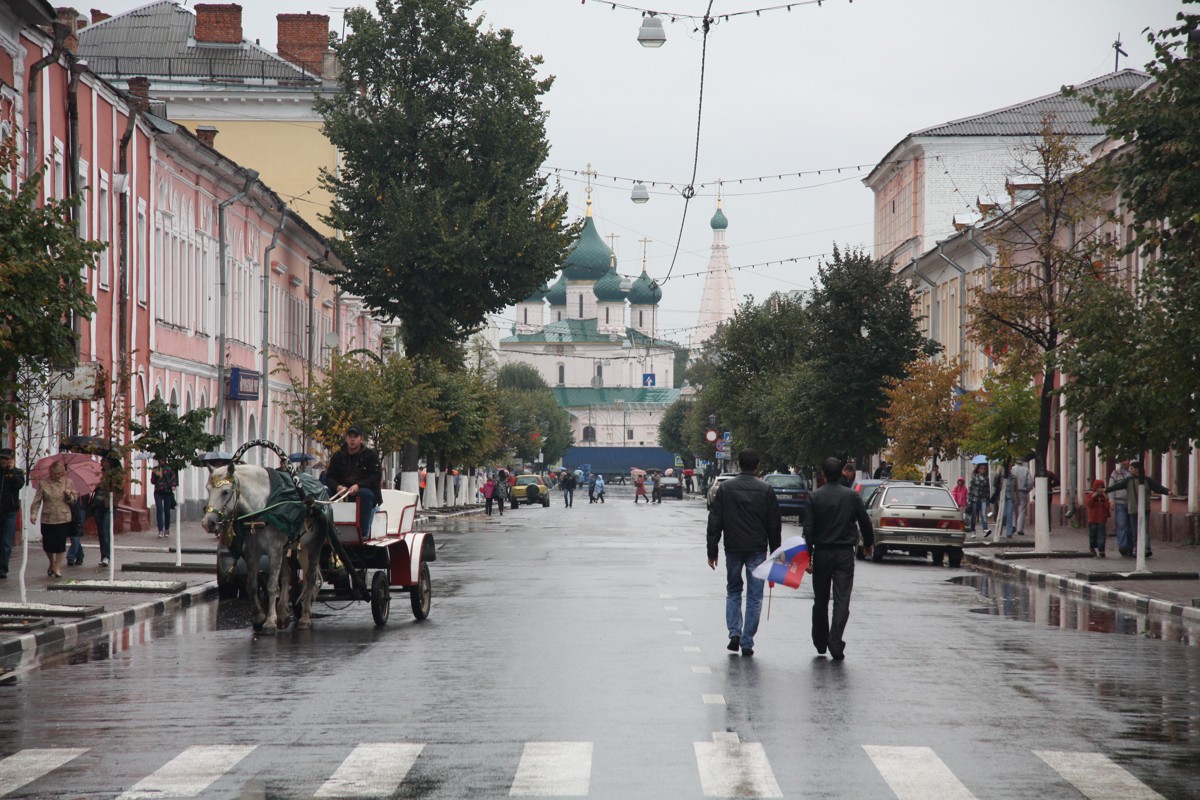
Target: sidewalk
point(1170, 585)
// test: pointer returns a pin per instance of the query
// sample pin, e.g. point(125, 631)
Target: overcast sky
point(815, 88)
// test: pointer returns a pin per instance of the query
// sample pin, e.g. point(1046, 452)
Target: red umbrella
point(82, 470)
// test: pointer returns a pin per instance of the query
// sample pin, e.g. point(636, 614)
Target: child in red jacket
point(1098, 511)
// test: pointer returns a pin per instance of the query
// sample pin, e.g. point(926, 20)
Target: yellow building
point(254, 106)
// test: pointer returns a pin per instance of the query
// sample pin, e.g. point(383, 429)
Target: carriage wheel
point(381, 598)
point(422, 594)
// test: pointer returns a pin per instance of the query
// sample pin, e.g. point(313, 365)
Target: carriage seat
point(400, 508)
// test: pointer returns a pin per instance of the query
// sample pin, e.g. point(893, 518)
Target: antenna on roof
point(1117, 56)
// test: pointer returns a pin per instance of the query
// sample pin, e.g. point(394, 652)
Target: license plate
point(922, 539)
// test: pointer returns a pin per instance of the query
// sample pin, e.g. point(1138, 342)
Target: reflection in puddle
point(1049, 607)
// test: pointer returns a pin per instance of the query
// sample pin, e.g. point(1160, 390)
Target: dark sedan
point(791, 491)
point(670, 487)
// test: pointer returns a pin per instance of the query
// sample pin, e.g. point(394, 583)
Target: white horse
point(236, 495)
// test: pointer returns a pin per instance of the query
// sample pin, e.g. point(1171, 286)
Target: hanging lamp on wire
point(651, 34)
point(640, 193)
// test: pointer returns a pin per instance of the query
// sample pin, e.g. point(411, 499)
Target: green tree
point(42, 290)
point(922, 418)
point(671, 434)
point(468, 404)
point(1045, 248)
point(863, 333)
point(175, 440)
point(1003, 418)
point(521, 376)
point(534, 425)
point(440, 131)
point(1160, 187)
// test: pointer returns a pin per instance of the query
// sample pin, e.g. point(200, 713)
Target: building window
point(581, 306)
point(589, 433)
point(606, 315)
point(641, 319)
point(600, 371)
point(562, 374)
point(526, 316)
point(559, 316)
point(629, 434)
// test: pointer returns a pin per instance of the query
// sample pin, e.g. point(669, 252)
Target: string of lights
point(673, 16)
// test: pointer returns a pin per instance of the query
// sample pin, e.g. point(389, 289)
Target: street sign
point(679, 461)
point(728, 436)
point(710, 436)
point(648, 379)
point(722, 448)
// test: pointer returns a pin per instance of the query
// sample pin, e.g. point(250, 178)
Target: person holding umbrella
point(53, 500)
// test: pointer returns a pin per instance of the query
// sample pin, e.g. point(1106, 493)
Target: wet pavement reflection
point(1051, 608)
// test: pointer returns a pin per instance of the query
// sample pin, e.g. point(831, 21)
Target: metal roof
point(1071, 114)
point(158, 41)
point(582, 397)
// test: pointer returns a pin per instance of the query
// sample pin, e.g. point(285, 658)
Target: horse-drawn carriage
point(303, 547)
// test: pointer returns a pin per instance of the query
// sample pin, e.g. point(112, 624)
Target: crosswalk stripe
point(27, 766)
point(189, 773)
point(916, 773)
point(729, 768)
point(553, 769)
point(373, 769)
point(1096, 776)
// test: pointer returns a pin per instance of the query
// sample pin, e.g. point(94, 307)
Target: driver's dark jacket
point(834, 516)
point(746, 510)
point(346, 469)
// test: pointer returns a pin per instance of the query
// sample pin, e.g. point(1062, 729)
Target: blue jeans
point(977, 513)
point(568, 497)
point(366, 510)
point(75, 550)
point(1010, 508)
point(8, 535)
point(1125, 531)
point(103, 532)
point(162, 510)
point(735, 563)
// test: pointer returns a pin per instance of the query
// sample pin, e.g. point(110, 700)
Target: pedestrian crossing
point(726, 767)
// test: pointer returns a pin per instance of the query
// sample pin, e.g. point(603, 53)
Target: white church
point(593, 336)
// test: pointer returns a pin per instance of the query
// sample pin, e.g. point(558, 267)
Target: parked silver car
point(916, 518)
point(712, 490)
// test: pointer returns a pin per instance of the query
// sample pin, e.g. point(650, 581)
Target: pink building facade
point(195, 323)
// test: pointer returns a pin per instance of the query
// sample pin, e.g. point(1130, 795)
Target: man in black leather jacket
point(746, 511)
point(356, 467)
point(832, 522)
point(11, 481)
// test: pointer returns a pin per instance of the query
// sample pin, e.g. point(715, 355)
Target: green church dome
point(608, 288)
point(645, 292)
point(589, 256)
point(557, 293)
point(719, 223)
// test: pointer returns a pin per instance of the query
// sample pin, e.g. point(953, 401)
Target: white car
point(712, 490)
point(917, 519)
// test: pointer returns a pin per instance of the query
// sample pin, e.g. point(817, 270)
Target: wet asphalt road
point(581, 652)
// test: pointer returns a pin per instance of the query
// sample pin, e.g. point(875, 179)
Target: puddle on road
point(1051, 608)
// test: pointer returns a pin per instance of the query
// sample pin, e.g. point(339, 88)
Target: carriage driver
point(356, 466)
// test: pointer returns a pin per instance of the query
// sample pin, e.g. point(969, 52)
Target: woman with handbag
point(53, 500)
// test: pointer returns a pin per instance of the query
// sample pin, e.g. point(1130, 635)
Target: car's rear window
point(919, 496)
point(525, 480)
point(670, 481)
point(786, 481)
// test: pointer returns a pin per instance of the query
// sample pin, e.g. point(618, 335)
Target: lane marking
point(916, 773)
point(675, 619)
point(691, 649)
point(1096, 776)
point(553, 769)
point(713, 699)
point(670, 608)
point(27, 766)
point(683, 633)
point(189, 773)
point(702, 670)
point(666, 597)
point(729, 768)
point(373, 769)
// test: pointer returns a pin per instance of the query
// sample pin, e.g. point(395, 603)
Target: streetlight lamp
point(640, 193)
point(651, 34)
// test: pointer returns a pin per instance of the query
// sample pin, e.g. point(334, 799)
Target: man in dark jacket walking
point(830, 521)
point(746, 511)
point(11, 481)
point(356, 467)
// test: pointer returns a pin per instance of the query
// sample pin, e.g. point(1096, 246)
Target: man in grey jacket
point(746, 511)
point(1020, 482)
point(1120, 501)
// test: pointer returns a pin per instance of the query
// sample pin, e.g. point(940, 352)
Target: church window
point(581, 306)
point(641, 319)
point(600, 371)
point(629, 434)
point(562, 374)
point(606, 315)
point(527, 316)
point(560, 316)
point(589, 433)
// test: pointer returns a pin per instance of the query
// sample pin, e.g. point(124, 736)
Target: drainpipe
point(136, 105)
point(987, 274)
point(962, 298)
point(266, 311)
point(251, 177)
point(60, 34)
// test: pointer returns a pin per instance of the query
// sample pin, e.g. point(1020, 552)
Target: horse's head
point(223, 497)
